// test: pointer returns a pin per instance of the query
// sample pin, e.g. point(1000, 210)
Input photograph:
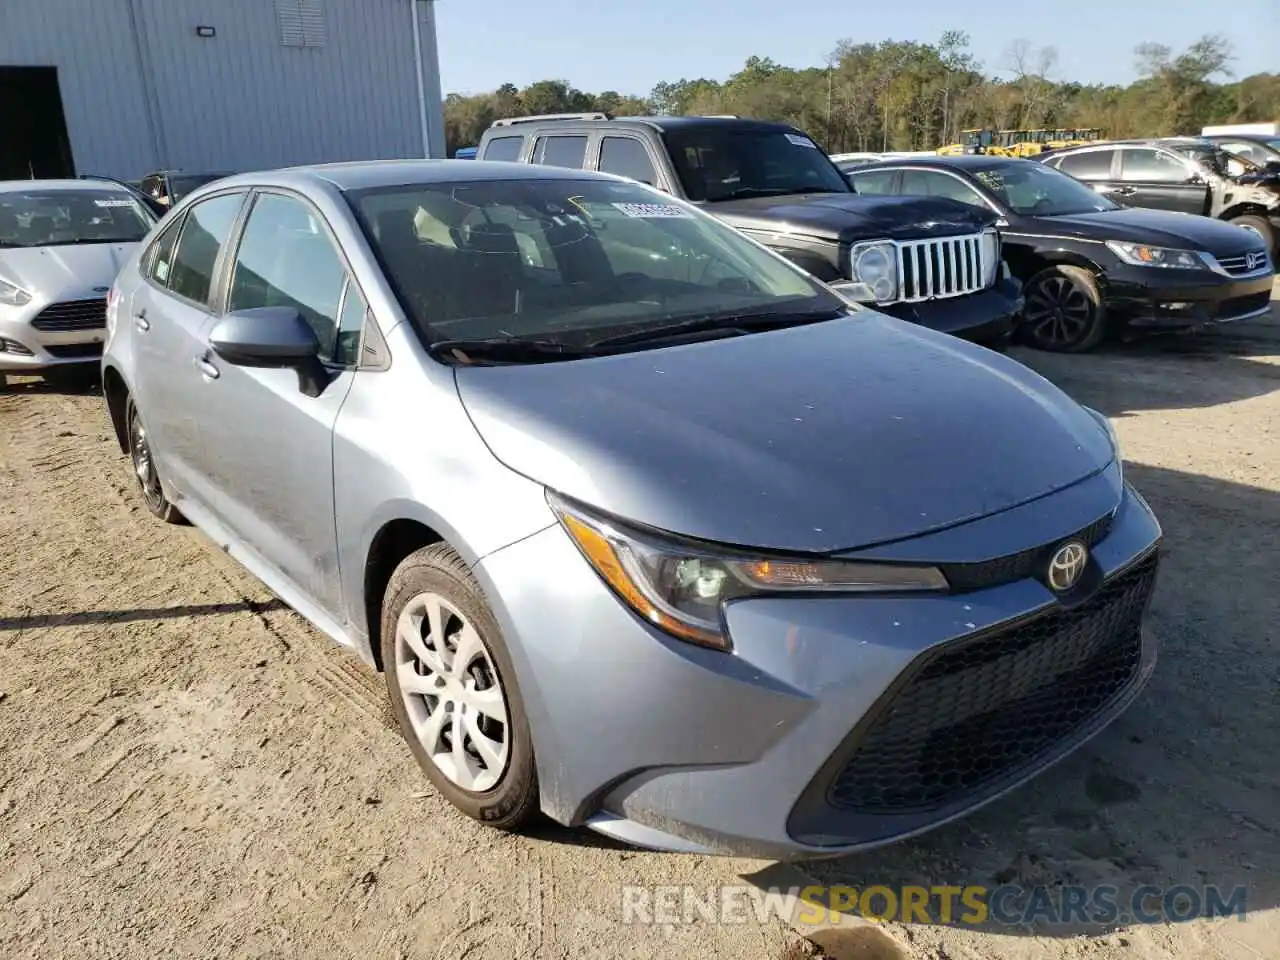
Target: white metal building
point(124, 87)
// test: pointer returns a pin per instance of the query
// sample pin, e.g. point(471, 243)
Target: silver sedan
point(62, 242)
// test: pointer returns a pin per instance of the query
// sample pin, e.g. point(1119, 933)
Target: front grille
point(943, 267)
point(982, 709)
point(72, 315)
point(1245, 263)
point(68, 351)
point(964, 577)
point(1242, 306)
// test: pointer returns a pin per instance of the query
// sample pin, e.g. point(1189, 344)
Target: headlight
point(991, 259)
point(680, 587)
point(1141, 255)
point(13, 295)
point(876, 264)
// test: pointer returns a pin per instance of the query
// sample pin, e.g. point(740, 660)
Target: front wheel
point(145, 471)
point(1064, 312)
point(453, 690)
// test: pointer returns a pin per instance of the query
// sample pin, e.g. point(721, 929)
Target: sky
point(629, 47)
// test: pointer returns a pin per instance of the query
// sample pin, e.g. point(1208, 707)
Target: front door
point(268, 447)
point(1161, 180)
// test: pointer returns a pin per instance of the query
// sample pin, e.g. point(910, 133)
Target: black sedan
point(1089, 265)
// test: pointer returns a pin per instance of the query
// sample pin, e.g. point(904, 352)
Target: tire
point(1064, 312)
point(1262, 227)
point(142, 459)
point(497, 783)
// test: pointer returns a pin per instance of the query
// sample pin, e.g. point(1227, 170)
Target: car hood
point(65, 272)
point(812, 439)
point(1157, 227)
point(846, 217)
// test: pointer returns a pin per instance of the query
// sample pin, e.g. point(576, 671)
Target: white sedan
point(62, 242)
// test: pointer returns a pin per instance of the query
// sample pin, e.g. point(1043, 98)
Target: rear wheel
point(1259, 225)
point(1064, 311)
point(144, 468)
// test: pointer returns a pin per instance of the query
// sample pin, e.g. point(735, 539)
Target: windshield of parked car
point(727, 163)
point(50, 218)
point(569, 261)
point(1034, 190)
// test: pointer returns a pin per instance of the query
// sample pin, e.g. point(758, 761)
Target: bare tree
point(1031, 67)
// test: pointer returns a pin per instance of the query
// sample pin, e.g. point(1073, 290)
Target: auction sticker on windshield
point(646, 211)
point(800, 141)
point(113, 203)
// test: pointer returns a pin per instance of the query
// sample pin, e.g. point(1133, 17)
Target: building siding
point(239, 100)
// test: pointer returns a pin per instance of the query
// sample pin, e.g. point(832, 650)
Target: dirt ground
point(188, 769)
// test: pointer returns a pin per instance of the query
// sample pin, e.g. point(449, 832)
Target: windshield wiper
point(746, 322)
point(508, 350)
point(746, 193)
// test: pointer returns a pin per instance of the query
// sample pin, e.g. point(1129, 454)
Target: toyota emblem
point(1067, 566)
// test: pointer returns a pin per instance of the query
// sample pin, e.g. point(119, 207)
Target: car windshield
point(727, 163)
point(1033, 189)
point(50, 218)
point(569, 262)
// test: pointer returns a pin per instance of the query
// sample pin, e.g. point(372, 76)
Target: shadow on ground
point(77, 381)
point(1170, 372)
point(1184, 789)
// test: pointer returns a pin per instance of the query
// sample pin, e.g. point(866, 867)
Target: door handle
point(207, 369)
point(141, 322)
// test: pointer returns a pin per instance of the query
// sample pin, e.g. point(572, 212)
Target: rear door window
point(627, 157)
point(560, 151)
point(204, 233)
point(1091, 165)
point(930, 183)
point(504, 149)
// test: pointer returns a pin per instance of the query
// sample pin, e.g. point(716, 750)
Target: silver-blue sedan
point(647, 529)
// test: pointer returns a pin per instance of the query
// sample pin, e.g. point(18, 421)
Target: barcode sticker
point(647, 211)
point(800, 141)
point(113, 203)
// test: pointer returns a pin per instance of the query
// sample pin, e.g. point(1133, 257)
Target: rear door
point(268, 447)
point(170, 314)
point(1097, 168)
point(1161, 180)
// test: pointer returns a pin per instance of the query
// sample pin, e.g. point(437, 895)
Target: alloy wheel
point(144, 466)
point(1058, 312)
point(452, 693)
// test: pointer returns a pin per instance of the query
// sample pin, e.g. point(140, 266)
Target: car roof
point(371, 174)
point(661, 124)
point(15, 186)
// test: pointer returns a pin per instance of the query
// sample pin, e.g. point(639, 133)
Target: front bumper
point(73, 333)
point(1143, 298)
point(666, 745)
point(984, 316)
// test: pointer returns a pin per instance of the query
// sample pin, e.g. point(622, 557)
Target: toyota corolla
point(647, 529)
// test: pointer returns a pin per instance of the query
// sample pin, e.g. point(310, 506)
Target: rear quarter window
point(504, 149)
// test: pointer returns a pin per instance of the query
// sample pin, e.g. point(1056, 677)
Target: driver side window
point(286, 259)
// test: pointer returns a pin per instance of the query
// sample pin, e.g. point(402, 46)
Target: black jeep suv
point(927, 260)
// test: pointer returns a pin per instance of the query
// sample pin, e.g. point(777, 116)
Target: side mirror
point(273, 338)
point(852, 291)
